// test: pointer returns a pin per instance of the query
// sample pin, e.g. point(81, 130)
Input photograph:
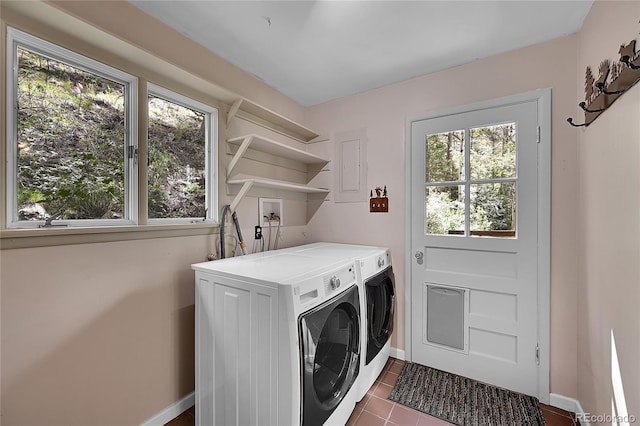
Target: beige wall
point(609, 223)
point(383, 112)
point(97, 333)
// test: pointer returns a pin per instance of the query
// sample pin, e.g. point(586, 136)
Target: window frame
point(18, 39)
point(468, 181)
point(211, 158)
point(135, 215)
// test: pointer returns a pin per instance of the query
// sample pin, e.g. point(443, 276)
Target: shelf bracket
point(233, 110)
point(238, 155)
point(243, 191)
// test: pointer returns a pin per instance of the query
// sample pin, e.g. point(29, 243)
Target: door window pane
point(71, 139)
point(445, 156)
point(177, 160)
point(493, 209)
point(445, 209)
point(493, 152)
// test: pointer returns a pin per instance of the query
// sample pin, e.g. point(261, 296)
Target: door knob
point(419, 256)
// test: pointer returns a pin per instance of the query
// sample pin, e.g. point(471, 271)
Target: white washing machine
point(277, 340)
point(377, 289)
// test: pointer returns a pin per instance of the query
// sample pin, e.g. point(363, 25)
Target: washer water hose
point(223, 220)
point(225, 209)
point(269, 219)
point(243, 246)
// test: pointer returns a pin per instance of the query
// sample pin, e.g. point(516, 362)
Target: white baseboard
point(564, 402)
point(568, 404)
point(397, 353)
point(171, 412)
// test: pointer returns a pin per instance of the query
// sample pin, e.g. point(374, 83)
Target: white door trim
point(543, 99)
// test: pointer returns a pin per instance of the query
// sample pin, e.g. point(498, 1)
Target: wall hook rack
point(627, 53)
point(630, 64)
point(570, 121)
point(583, 105)
point(602, 87)
point(614, 79)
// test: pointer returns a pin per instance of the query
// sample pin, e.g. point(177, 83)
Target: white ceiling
point(316, 51)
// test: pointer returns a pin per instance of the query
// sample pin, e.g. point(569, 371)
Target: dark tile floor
point(376, 410)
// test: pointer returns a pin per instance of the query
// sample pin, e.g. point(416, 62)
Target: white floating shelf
point(262, 144)
point(248, 182)
point(254, 113)
point(277, 184)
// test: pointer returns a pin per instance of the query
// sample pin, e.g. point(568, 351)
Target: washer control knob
point(380, 262)
point(334, 282)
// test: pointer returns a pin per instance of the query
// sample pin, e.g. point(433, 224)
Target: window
point(72, 144)
point(471, 187)
point(71, 138)
point(445, 197)
point(181, 160)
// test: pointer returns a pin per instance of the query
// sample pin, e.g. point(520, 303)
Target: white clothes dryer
point(378, 299)
point(378, 288)
point(277, 340)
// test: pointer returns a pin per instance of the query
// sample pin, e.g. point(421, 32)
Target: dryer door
point(380, 309)
point(330, 353)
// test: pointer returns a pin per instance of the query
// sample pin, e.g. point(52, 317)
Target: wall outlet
point(258, 233)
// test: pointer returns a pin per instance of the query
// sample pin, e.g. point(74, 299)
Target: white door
point(474, 226)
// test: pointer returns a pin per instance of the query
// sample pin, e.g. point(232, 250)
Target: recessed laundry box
point(446, 316)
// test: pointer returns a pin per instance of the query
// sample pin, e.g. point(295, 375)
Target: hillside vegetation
point(71, 147)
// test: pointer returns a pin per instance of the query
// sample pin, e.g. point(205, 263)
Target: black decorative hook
point(604, 90)
point(627, 61)
point(583, 105)
point(570, 121)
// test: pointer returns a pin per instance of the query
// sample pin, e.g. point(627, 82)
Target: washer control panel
point(334, 282)
point(374, 264)
point(316, 290)
point(339, 280)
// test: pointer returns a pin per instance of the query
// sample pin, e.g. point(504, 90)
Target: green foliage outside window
point(177, 173)
point(71, 147)
point(70, 142)
point(493, 156)
point(492, 169)
point(445, 209)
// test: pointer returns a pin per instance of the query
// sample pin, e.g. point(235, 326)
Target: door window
point(470, 188)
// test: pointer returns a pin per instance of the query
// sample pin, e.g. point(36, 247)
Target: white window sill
point(44, 237)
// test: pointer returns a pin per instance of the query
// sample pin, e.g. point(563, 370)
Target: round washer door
point(380, 311)
point(330, 355)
